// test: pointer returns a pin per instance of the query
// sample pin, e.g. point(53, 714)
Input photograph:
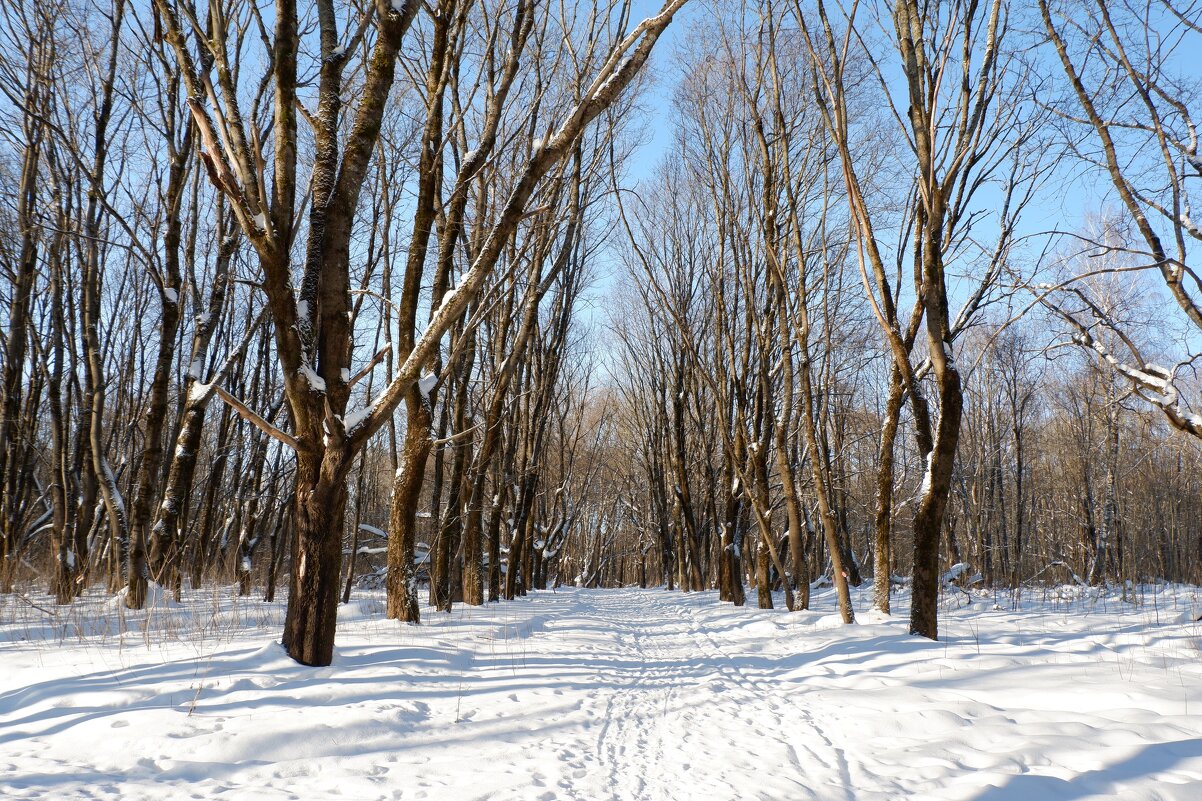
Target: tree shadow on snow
point(1151, 759)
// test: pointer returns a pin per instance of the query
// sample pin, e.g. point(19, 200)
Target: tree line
point(307, 296)
point(862, 346)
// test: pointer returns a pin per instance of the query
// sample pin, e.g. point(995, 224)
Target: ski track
point(615, 695)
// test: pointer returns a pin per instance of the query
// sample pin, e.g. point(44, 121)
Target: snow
point(309, 374)
point(927, 476)
point(118, 499)
point(355, 418)
point(1157, 376)
point(426, 383)
point(171, 295)
point(198, 391)
point(955, 572)
point(603, 89)
point(607, 694)
point(1187, 223)
point(158, 599)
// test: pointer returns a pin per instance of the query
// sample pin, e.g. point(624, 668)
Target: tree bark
point(320, 505)
point(883, 521)
point(401, 580)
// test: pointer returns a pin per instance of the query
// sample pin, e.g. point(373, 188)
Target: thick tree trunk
point(85, 506)
point(928, 519)
point(473, 549)
point(320, 505)
point(766, 556)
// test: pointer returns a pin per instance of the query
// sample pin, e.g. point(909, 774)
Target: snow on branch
point(1151, 382)
point(625, 60)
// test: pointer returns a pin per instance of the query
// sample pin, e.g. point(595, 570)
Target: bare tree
point(963, 124)
point(313, 334)
point(1121, 60)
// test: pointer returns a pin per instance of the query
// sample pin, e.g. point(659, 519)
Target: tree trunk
point(152, 453)
point(730, 569)
point(928, 519)
point(16, 341)
point(156, 411)
point(321, 495)
point(883, 537)
point(165, 546)
point(401, 581)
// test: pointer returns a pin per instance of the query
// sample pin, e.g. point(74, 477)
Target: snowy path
point(597, 695)
point(681, 715)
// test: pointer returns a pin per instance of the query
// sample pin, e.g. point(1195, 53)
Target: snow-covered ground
point(615, 694)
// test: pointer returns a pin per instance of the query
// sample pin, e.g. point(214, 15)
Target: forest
point(462, 299)
point(626, 400)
